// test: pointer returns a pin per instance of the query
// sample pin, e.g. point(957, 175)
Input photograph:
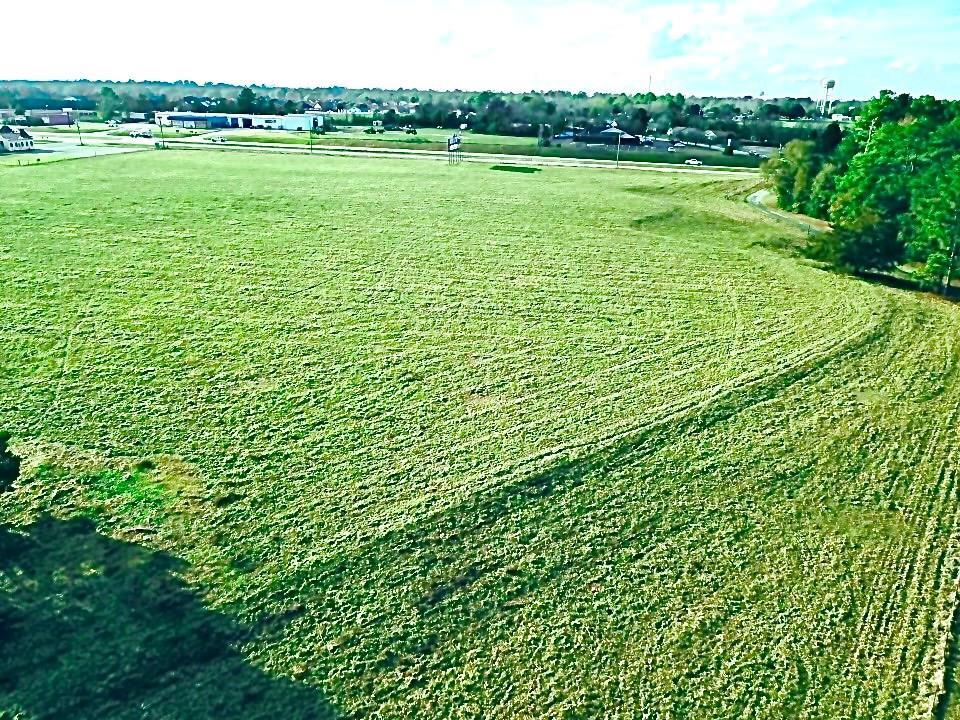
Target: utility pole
point(78, 131)
point(619, 138)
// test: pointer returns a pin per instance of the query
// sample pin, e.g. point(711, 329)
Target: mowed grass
point(436, 141)
point(425, 139)
point(343, 437)
point(84, 127)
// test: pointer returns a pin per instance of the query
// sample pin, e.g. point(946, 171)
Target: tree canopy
point(890, 185)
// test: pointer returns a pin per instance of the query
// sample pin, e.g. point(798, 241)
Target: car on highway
point(141, 133)
point(692, 161)
point(217, 138)
point(671, 149)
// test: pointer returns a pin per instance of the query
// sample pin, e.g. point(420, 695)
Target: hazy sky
point(780, 47)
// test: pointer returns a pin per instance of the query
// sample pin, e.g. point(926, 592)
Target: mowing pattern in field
point(448, 442)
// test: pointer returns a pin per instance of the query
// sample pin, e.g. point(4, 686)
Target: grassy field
point(426, 140)
point(342, 437)
point(84, 127)
point(432, 137)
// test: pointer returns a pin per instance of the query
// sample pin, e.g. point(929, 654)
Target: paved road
point(198, 143)
point(63, 148)
point(758, 200)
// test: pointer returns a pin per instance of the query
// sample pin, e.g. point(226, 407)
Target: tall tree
point(935, 222)
point(110, 103)
point(246, 101)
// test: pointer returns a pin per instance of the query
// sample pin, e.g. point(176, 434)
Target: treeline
point(757, 120)
point(890, 187)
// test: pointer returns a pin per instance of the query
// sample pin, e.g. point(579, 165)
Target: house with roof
point(15, 140)
point(605, 136)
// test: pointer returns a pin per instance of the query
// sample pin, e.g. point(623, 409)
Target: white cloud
point(728, 46)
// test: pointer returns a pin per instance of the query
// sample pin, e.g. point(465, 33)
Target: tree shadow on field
point(92, 627)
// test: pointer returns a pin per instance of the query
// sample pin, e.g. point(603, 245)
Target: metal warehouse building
point(217, 121)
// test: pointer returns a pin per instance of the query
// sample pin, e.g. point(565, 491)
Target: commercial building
point(218, 121)
point(52, 117)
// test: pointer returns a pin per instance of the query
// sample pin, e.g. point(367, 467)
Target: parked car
point(692, 161)
point(112, 123)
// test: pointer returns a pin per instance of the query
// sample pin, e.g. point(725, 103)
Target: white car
point(671, 149)
point(692, 161)
point(141, 134)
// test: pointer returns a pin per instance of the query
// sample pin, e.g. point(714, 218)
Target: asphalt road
point(104, 140)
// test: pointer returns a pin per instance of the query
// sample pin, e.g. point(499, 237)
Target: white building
point(14, 140)
point(224, 121)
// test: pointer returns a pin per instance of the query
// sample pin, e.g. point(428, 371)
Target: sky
point(726, 47)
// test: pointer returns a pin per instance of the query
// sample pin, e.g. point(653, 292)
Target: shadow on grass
point(515, 168)
point(890, 280)
point(949, 694)
point(92, 627)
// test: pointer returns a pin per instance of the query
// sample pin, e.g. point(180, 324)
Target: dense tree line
point(749, 119)
point(891, 187)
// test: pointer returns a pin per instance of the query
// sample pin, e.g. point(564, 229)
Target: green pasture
point(329, 437)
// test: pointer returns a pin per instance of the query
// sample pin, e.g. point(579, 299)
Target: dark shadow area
point(515, 168)
point(951, 662)
point(900, 280)
point(9, 464)
point(890, 280)
point(92, 627)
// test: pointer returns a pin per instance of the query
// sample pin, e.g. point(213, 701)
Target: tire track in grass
point(883, 616)
point(825, 345)
point(611, 446)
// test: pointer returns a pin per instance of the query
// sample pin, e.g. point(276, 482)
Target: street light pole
point(78, 131)
point(619, 138)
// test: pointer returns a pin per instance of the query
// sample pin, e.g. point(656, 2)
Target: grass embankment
point(443, 441)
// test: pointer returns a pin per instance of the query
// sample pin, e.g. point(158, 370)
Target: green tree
point(246, 101)
point(822, 190)
point(863, 243)
point(792, 172)
point(110, 103)
point(830, 138)
point(935, 223)
point(796, 111)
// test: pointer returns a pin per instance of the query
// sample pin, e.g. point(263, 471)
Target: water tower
point(826, 104)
